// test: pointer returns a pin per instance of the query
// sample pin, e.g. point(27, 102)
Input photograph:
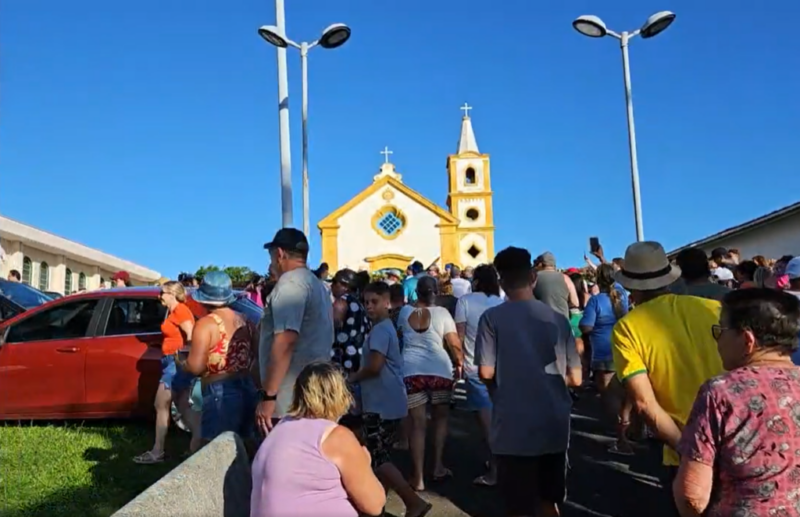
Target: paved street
point(600, 484)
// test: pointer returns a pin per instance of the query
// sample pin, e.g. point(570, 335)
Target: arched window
point(469, 176)
point(81, 281)
point(44, 276)
point(27, 270)
point(68, 281)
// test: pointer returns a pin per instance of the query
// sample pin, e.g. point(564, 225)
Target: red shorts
point(422, 389)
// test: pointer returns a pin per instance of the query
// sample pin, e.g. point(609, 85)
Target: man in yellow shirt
point(663, 349)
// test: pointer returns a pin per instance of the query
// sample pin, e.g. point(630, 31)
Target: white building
point(53, 263)
point(388, 224)
point(772, 235)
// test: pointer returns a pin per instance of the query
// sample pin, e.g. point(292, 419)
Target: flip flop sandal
point(615, 449)
point(148, 458)
point(425, 511)
point(482, 481)
point(447, 475)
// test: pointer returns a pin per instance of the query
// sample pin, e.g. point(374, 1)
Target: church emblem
point(388, 195)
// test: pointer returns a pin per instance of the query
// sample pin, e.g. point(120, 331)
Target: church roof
point(382, 180)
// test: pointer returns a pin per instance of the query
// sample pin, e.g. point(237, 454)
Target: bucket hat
point(215, 289)
point(646, 268)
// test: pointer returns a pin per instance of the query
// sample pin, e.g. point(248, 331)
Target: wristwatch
point(264, 397)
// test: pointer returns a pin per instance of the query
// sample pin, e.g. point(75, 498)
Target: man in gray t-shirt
point(297, 326)
point(526, 354)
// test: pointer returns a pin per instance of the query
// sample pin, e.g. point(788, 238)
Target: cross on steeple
point(386, 152)
point(465, 108)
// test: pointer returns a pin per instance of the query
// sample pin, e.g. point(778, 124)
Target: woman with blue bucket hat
point(222, 354)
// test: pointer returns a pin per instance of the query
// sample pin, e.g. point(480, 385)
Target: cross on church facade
point(386, 152)
point(465, 108)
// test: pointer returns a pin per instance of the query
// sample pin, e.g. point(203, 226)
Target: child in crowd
point(383, 396)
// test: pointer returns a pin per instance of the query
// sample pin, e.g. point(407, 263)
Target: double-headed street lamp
point(332, 37)
point(594, 27)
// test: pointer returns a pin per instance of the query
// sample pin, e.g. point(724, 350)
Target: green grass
point(57, 470)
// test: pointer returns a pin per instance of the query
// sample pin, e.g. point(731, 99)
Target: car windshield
point(22, 294)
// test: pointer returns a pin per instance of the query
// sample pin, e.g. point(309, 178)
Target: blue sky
point(149, 129)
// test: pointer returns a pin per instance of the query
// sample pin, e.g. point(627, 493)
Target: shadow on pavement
point(599, 483)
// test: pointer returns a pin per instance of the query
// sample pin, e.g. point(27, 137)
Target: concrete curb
point(215, 482)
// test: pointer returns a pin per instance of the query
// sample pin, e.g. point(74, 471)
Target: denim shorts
point(477, 394)
point(603, 366)
point(229, 405)
point(172, 376)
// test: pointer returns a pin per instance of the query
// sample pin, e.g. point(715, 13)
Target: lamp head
point(590, 25)
point(334, 36)
point(273, 36)
point(657, 24)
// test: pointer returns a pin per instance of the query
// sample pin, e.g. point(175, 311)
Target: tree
point(240, 275)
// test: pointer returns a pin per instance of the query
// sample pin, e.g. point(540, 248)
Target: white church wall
point(466, 243)
point(357, 239)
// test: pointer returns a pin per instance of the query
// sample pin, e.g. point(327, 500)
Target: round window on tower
point(473, 214)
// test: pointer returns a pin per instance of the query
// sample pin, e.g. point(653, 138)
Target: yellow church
point(390, 225)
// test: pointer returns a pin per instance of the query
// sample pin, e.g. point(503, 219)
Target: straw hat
point(647, 268)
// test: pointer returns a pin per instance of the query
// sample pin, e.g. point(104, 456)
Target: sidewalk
point(600, 484)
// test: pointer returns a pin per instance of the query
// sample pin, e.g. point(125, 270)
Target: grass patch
point(61, 470)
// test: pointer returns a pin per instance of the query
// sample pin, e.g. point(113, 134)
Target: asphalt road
point(599, 484)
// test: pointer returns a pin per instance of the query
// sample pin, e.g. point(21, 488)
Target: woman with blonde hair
point(311, 465)
point(175, 383)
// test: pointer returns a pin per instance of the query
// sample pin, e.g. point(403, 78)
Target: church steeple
point(470, 197)
point(467, 140)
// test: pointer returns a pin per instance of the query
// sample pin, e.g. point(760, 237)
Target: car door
point(42, 360)
point(123, 362)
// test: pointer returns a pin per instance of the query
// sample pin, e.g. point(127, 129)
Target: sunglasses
point(717, 330)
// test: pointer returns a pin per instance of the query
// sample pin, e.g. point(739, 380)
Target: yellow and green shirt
point(669, 338)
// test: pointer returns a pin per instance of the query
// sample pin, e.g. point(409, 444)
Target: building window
point(473, 214)
point(81, 281)
point(68, 281)
point(102, 283)
point(389, 222)
point(44, 276)
point(469, 176)
point(474, 251)
point(27, 270)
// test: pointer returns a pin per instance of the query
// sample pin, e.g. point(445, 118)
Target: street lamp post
point(332, 37)
point(594, 27)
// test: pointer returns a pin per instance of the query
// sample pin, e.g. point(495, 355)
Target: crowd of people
point(347, 368)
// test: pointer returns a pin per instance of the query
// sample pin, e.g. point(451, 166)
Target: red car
point(89, 355)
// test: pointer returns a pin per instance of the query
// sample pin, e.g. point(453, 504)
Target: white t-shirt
point(461, 286)
point(469, 310)
point(424, 352)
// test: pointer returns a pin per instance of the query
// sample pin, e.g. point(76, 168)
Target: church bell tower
point(469, 197)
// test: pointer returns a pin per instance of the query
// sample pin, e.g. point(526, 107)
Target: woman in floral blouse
point(740, 448)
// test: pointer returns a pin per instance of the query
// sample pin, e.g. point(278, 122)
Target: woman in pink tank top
point(309, 464)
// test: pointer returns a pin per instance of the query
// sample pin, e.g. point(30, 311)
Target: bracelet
point(623, 423)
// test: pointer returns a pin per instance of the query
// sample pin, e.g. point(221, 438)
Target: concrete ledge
point(215, 482)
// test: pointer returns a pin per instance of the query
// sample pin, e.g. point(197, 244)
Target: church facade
point(389, 225)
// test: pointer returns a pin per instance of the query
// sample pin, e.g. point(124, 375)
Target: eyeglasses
point(717, 330)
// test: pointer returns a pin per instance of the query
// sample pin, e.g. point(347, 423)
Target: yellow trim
point(388, 261)
point(332, 219)
point(330, 248)
point(382, 212)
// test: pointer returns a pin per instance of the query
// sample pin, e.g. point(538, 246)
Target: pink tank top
point(291, 477)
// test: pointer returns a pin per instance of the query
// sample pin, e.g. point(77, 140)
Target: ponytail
point(616, 302)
